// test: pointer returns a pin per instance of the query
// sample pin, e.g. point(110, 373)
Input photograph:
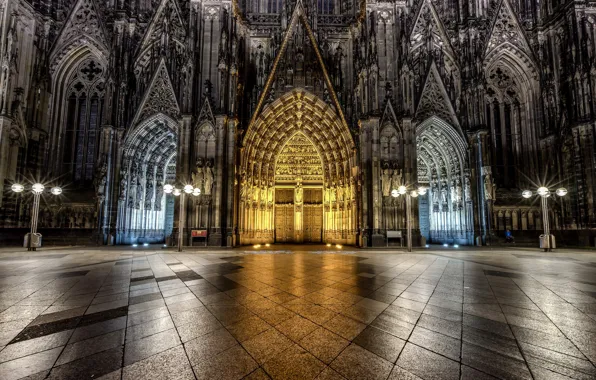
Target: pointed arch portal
point(445, 211)
point(146, 214)
point(297, 178)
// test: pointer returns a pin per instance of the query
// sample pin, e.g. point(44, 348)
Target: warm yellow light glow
point(328, 244)
point(402, 189)
point(414, 193)
point(257, 246)
point(267, 245)
point(338, 246)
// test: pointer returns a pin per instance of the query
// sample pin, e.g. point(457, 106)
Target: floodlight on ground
point(17, 188)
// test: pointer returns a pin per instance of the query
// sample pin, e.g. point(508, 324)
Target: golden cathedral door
point(313, 215)
point(284, 215)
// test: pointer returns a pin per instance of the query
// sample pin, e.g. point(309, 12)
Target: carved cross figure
point(91, 70)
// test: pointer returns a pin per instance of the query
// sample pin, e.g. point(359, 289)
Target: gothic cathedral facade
point(297, 119)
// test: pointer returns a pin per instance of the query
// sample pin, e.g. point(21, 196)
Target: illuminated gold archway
point(297, 111)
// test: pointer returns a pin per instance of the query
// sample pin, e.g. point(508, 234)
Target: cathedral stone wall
point(473, 100)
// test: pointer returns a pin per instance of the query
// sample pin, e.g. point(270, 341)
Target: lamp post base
point(547, 242)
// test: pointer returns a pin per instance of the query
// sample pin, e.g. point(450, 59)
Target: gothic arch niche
point(511, 114)
point(445, 212)
point(79, 88)
point(298, 120)
point(203, 174)
point(145, 213)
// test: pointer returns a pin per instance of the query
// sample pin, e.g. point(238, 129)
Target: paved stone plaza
point(135, 313)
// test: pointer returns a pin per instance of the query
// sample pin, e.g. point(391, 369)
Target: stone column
point(5, 124)
point(231, 194)
point(217, 204)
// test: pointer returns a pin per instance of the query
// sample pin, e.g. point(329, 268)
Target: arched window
point(83, 107)
point(326, 7)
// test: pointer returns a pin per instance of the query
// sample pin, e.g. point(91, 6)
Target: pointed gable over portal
point(167, 15)
point(507, 30)
point(159, 98)
point(434, 100)
point(298, 16)
point(84, 20)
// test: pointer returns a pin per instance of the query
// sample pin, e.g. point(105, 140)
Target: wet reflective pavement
point(286, 313)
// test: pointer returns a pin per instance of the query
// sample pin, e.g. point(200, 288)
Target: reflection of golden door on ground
point(298, 216)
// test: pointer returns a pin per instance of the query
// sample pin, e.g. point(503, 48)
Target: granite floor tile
point(266, 345)
point(29, 365)
point(235, 363)
point(151, 345)
point(208, 345)
point(380, 343)
point(149, 328)
point(294, 363)
point(91, 346)
point(357, 363)
point(89, 367)
point(426, 364)
point(33, 346)
point(324, 344)
point(296, 328)
point(345, 327)
point(171, 364)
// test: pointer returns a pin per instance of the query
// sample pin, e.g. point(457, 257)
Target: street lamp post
point(187, 189)
point(547, 241)
point(37, 189)
point(403, 190)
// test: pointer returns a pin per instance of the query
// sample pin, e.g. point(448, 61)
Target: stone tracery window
point(83, 108)
point(505, 114)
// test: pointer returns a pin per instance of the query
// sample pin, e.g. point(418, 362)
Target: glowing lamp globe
point(414, 193)
point(196, 192)
point(56, 190)
point(188, 189)
point(526, 194)
point(402, 189)
point(176, 192)
point(394, 193)
point(543, 191)
point(422, 190)
point(168, 189)
point(17, 188)
point(37, 188)
point(561, 192)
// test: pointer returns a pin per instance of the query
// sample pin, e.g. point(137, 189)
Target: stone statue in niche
point(397, 179)
point(386, 180)
point(158, 196)
point(101, 178)
point(298, 194)
point(452, 191)
point(435, 191)
point(208, 177)
point(270, 191)
point(123, 184)
point(198, 177)
point(467, 189)
point(458, 191)
point(444, 192)
point(489, 188)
